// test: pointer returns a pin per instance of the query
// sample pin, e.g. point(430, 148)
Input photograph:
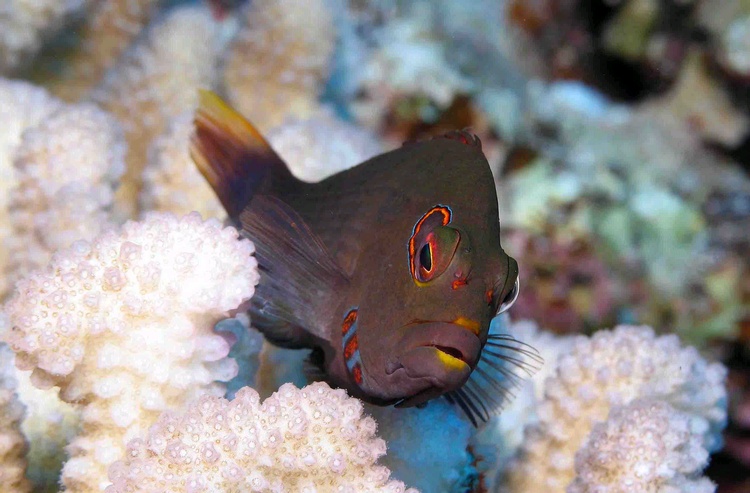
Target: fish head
point(440, 277)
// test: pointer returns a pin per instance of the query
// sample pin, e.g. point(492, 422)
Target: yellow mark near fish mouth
point(468, 323)
point(450, 362)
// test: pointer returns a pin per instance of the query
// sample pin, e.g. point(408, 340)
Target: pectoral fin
point(300, 280)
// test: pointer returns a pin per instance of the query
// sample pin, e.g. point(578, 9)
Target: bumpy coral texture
point(611, 369)
point(49, 426)
point(22, 105)
point(322, 145)
point(313, 148)
point(25, 24)
point(279, 63)
point(66, 170)
point(314, 439)
point(154, 82)
point(124, 326)
point(12, 442)
point(645, 446)
point(496, 442)
point(109, 29)
point(171, 181)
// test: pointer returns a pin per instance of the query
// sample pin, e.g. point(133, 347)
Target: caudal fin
point(230, 153)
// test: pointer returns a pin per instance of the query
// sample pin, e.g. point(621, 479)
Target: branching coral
point(610, 370)
point(124, 326)
point(279, 62)
point(156, 81)
point(110, 27)
point(407, 76)
point(171, 181)
point(66, 170)
point(313, 439)
point(644, 446)
point(25, 24)
point(322, 145)
point(497, 441)
point(314, 149)
point(22, 105)
point(12, 442)
point(49, 426)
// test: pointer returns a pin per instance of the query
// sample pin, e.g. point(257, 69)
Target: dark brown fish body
point(392, 270)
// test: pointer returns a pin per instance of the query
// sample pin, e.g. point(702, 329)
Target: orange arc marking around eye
point(468, 323)
point(438, 209)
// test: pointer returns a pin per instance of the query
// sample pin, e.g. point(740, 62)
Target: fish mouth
point(442, 352)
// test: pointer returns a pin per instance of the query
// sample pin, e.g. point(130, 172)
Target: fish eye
point(510, 298)
point(432, 245)
point(425, 257)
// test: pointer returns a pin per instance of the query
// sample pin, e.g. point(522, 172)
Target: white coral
point(314, 149)
point(110, 27)
point(498, 440)
point(22, 105)
point(322, 145)
point(66, 170)
point(611, 369)
point(171, 181)
point(645, 446)
point(25, 24)
point(124, 325)
point(12, 442)
point(314, 439)
point(155, 81)
point(279, 63)
point(49, 426)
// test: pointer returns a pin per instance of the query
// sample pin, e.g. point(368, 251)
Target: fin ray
point(299, 277)
point(230, 153)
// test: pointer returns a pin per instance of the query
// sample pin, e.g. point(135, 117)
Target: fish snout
point(442, 353)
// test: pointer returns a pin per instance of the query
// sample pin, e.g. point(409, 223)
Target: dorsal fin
point(231, 154)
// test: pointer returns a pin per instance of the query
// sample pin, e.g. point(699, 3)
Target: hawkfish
point(390, 271)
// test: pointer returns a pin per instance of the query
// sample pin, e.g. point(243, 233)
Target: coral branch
point(124, 326)
point(310, 439)
point(609, 370)
point(13, 445)
point(280, 60)
point(156, 80)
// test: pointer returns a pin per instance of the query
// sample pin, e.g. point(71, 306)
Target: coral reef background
point(618, 132)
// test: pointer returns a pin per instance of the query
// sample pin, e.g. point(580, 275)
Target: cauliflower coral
point(12, 442)
point(322, 145)
point(67, 168)
point(22, 105)
point(171, 181)
point(123, 325)
point(26, 24)
point(279, 62)
point(608, 371)
point(645, 446)
point(110, 27)
point(314, 439)
point(155, 81)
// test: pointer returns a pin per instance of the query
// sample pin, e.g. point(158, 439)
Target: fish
point(390, 271)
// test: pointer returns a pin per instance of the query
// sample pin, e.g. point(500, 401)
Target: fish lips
point(443, 353)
